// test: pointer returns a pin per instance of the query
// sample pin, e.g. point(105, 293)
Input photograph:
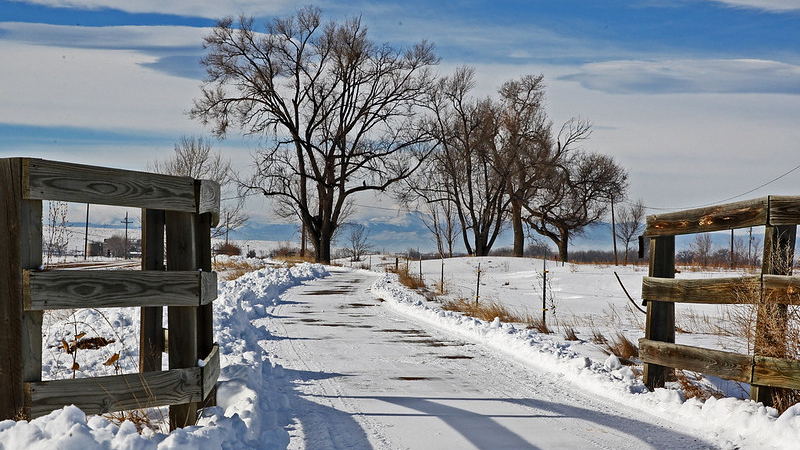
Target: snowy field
point(254, 410)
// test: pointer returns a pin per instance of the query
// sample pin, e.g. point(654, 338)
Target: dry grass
point(293, 260)
point(408, 280)
point(232, 269)
point(489, 309)
point(598, 338)
point(140, 418)
point(570, 334)
point(692, 387)
point(485, 310)
point(623, 348)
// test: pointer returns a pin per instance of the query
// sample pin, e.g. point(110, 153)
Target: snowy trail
point(362, 376)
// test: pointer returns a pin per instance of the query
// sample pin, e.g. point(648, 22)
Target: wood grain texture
point(722, 217)
point(707, 290)
point(208, 199)
point(211, 371)
point(66, 289)
point(52, 180)
point(781, 289)
point(12, 398)
point(182, 255)
point(784, 210)
point(776, 372)
point(660, 322)
point(151, 329)
point(728, 365)
point(100, 395)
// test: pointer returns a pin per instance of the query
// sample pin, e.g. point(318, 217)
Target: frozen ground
point(318, 358)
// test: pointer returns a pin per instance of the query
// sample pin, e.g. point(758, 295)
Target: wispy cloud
point(192, 8)
point(690, 76)
point(103, 77)
point(766, 5)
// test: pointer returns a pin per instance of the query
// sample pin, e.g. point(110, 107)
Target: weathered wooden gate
point(180, 210)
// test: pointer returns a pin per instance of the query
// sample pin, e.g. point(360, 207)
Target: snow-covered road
point(361, 376)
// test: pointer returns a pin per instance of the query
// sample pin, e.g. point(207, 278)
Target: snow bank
point(730, 422)
point(249, 411)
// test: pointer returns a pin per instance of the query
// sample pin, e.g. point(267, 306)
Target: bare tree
point(56, 232)
point(194, 157)
point(701, 249)
point(340, 111)
point(630, 223)
point(527, 149)
point(357, 242)
point(464, 170)
point(443, 223)
point(577, 198)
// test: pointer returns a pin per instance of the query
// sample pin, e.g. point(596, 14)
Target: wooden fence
point(178, 210)
point(771, 292)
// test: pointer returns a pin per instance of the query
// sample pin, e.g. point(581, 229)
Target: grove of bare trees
point(499, 161)
point(341, 115)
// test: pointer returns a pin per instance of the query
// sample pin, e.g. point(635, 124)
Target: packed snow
point(255, 407)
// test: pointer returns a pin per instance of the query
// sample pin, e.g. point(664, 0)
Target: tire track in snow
point(366, 377)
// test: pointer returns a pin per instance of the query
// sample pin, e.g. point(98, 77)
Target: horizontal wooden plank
point(715, 218)
point(731, 366)
point(781, 289)
point(776, 372)
point(66, 289)
point(101, 395)
point(784, 210)
point(209, 197)
point(704, 290)
point(53, 180)
point(211, 371)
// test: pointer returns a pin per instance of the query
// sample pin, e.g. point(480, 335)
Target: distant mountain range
point(403, 231)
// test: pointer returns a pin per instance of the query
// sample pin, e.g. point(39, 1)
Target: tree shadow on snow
point(321, 426)
point(484, 432)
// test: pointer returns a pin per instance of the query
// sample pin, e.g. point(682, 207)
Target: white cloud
point(767, 5)
point(110, 88)
point(193, 8)
point(690, 76)
point(112, 37)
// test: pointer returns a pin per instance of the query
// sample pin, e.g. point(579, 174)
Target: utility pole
point(86, 237)
point(478, 285)
point(614, 231)
point(544, 289)
point(126, 222)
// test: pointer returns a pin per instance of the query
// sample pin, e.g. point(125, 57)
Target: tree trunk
point(519, 230)
point(563, 244)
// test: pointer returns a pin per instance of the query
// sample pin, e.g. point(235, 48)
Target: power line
point(729, 198)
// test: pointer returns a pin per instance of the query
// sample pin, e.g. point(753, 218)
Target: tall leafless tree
point(193, 156)
point(357, 242)
point(464, 171)
point(630, 223)
point(340, 111)
point(579, 197)
point(442, 222)
point(526, 147)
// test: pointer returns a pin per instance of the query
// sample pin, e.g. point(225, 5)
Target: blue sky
point(699, 99)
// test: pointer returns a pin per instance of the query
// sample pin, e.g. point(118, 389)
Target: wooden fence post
point(771, 319)
point(21, 333)
point(205, 313)
point(660, 324)
point(151, 341)
point(182, 255)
